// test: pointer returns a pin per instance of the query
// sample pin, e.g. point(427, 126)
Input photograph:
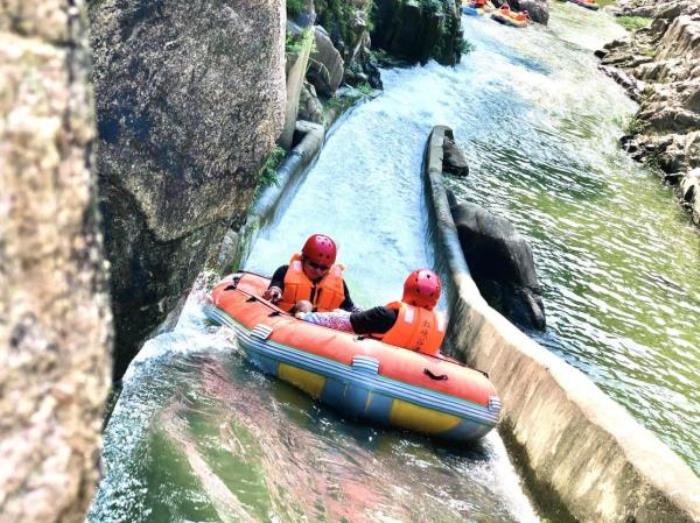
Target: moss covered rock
point(418, 30)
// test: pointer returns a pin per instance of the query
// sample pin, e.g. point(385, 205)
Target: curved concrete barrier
point(290, 174)
point(583, 455)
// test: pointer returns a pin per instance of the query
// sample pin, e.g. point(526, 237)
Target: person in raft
point(410, 323)
point(311, 276)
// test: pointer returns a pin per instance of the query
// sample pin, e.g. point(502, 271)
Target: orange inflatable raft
point(360, 376)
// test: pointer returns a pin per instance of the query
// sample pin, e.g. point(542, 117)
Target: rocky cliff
point(55, 323)
point(660, 68)
point(419, 30)
point(190, 100)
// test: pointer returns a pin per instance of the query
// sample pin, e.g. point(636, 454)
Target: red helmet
point(321, 249)
point(422, 289)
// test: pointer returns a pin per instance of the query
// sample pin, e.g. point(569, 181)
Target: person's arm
point(347, 304)
point(376, 320)
point(274, 290)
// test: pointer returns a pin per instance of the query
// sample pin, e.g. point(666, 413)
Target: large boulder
point(326, 66)
point(537, 10)
point(55, 321)
point(418, 32)
point(501, 263)
point(453, 159)
point(190, 100)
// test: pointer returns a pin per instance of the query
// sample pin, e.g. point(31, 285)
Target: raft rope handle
point(438, 377)
point(252, 297)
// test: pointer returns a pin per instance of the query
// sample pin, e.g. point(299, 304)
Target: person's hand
point(273, 294)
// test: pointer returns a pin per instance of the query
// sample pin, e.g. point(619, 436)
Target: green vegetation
point(653, 161)
point(632, 23)
point(335, 13)
point(268, 173)
point(294, 7)
point(651, 53)
point(635, 126)
point(295, 43)
point(466, 47)
point(365, 89)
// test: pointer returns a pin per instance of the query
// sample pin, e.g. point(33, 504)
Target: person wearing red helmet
point(411, 323)
point(311, 275)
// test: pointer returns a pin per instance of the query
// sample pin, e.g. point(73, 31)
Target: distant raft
point(360, 376)
point(508, 17)
point(472, 11)
point(588, 4)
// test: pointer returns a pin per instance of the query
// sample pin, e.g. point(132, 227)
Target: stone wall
point(55, 322)
point(190, 100)
point(582, 453)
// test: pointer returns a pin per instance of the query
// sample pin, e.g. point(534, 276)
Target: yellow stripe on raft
point(309, 382)
point(420, 419)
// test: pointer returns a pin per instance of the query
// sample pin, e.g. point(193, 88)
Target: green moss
point(632, 23)
point(295, 43)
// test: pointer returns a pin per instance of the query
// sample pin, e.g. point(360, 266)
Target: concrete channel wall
point(581, 452)
point(290, 174)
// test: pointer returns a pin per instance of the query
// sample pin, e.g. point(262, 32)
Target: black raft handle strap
point(437, 377)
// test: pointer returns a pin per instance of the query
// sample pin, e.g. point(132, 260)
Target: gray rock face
point(310, 108)
point(55, 321)
point(190, 99)
point(347, 24)
point(417, 31)
point(660, 68)
point(454, 161)
point(501, 264)
point(326, 66)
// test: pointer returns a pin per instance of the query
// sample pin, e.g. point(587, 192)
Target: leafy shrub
point(635, 126)
point(294, 7)
point(268, 172)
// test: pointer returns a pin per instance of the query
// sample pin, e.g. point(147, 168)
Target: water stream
point(199, 435)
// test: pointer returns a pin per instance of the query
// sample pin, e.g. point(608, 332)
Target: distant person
point(312, 276)
point(410, 323)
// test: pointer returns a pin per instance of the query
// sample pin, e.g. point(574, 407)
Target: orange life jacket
point(329, 295)
point(416, 329)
